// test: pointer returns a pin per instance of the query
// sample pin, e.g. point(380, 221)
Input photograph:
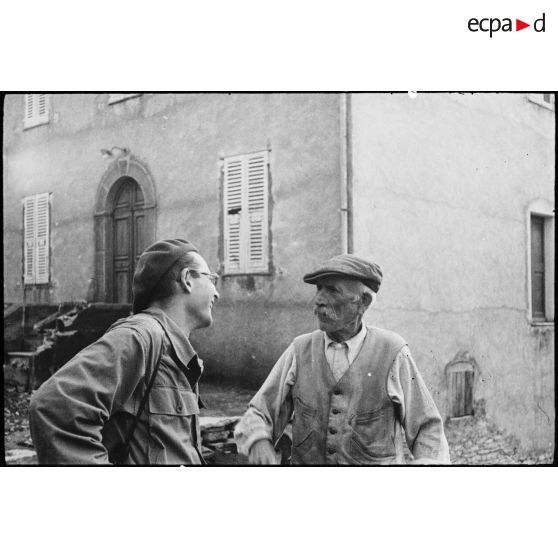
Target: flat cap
point(350, 266)
point(154, 262)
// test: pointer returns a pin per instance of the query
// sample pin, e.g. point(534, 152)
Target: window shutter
point(42, 109)
point(36, 231)
point(256, 168)
point(233, 213)
point(42, 238)
point(29, 108)
point(29, 240)
point(537, 268)
point(246, 213)
point(36, 109)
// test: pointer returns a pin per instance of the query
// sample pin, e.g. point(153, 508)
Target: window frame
point(542, 209)
point(36, 118)
point(247, 216)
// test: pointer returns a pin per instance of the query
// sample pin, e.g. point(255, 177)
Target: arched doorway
point(128, 237)
point(125, 223)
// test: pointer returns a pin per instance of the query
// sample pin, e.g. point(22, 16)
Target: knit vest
point(350, 421)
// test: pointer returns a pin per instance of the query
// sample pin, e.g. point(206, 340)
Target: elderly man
point(347, 388)
point(132, 396)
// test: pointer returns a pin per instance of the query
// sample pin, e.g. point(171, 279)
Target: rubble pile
point(475, 441)
point(218, 439)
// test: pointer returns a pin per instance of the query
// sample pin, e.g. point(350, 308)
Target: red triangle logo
point(519, 25)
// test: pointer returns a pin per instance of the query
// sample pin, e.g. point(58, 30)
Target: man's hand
point(262, 452)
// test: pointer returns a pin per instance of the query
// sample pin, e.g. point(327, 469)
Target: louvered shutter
point(256, 169)
point(42, 238)
point(246, 218)
point(233, 213)
point(36, 109)
point(29, 240)
point(36, 233)
point(29, 108)
point(42, 109)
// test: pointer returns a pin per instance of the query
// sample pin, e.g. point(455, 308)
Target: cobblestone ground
point(475, 441)
point(472, 440)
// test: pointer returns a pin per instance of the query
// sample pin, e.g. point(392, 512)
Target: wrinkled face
point(204, 292)
point(337, 303)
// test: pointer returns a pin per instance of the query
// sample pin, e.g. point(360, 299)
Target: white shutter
point(36, 109)
point(42, 236)
point(42, 109)
point(36, 229)
point(256, 167)
point(246, 213)
point(29, 108)
point(233, 213)
point(29, 240)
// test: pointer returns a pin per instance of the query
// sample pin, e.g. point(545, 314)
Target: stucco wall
point(441, 186)
point(181, 140)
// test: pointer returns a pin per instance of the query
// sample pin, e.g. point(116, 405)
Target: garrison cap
point(154, 262)
point(348, 265)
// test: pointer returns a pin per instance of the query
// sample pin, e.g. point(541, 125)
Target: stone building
point(453, 194)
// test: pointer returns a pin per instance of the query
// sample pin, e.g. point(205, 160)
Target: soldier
point(132, 396)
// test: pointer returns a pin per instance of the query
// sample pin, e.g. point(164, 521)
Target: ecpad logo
point(493, 25)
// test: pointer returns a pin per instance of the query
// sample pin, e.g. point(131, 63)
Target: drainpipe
point(346, 175)
point(23, 283)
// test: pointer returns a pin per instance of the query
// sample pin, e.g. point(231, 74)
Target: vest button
point(335, 411)
point(333, 430)
point(331, 451)
point(337, 391)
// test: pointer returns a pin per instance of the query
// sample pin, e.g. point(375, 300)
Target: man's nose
point(216, 295)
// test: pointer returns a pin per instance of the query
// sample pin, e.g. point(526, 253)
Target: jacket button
point(337, 391)
point(333, 430)
point(331, 451)
point(335, 411)
point(179, 408)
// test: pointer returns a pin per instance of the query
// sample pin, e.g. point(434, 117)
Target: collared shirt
point(340, 356)
point(86, 407)
point(416, 410)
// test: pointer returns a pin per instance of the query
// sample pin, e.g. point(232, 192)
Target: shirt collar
point(179, 341)
point(353, 344)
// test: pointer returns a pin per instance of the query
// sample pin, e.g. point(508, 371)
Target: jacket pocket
point(303, 426)
point(373, 434)
point(168, 400)
point(303, 409)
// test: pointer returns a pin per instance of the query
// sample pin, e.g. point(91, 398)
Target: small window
point(461, 376)
point(36, 245)
point(36, 109)
point(246, 227)
point(541, 267)
point(547, 100)
point(118, 97)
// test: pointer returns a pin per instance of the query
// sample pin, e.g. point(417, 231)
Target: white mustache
point(325, 312)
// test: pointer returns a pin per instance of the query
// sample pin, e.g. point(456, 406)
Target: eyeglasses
point(213, 277)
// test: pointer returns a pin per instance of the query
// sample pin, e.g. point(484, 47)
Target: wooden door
point(128, 238)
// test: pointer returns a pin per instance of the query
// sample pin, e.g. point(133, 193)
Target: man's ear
point(185, 281)
point(366, 300)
